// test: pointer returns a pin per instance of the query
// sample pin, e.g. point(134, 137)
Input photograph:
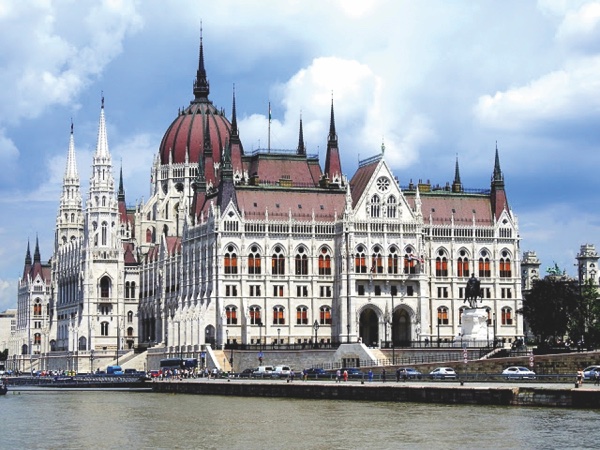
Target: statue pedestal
point(474, 325)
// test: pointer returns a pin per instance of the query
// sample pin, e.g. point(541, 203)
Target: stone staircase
point(222, 361)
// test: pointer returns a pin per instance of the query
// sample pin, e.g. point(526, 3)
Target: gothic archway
point(402, 327)
point(369, 327)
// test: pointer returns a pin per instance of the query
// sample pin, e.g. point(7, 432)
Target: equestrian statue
point(472, 291)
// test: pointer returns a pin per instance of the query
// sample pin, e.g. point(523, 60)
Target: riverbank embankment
point(442, 393)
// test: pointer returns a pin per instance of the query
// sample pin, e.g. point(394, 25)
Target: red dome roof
point(187, 134)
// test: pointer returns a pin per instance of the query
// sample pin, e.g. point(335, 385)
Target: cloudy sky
point(434, 80)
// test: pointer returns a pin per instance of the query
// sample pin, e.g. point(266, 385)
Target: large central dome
point(188, 133)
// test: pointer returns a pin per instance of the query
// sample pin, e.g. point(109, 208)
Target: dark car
point(409, 373)
point(247, 373)
point(315, 372)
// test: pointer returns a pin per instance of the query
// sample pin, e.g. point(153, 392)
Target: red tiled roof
point(360, 180)
point(272, 168)
point(279, 203)
point(129, 255)
point(442, 206)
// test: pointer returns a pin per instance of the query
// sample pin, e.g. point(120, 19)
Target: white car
point(441, 373)
point(518, 372)
point(282, 371)
point(588, 372)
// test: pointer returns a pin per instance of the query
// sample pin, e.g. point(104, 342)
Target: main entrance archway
point(369, 327)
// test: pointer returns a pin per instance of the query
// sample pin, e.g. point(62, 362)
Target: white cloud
point(9, 154)
point(52, 65)
point(567, 94)
point(8, 294)
point(580, 28)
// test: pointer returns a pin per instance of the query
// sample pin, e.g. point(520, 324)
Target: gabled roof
point(128, 254)
point(270, 168)
point(361, 179)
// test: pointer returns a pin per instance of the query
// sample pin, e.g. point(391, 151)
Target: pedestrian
point(580, 377)
point(596, 378)
point(426, 342)
point(292, 375)
point(397, 374)
point(338, 375)
point(383, 375)
point(345, 375)
point(370, 375)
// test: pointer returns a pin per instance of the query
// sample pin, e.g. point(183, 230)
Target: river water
point(143, 420)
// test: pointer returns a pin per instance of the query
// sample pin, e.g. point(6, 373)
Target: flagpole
point(269, 137)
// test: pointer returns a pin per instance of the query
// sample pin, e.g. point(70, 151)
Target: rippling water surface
point(135, 420)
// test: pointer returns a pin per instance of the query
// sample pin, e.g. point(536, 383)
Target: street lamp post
point(278, 336)
point(392, 324)
point(316, 328)
point(230, 349)
point(91, 361)
point(438, 329)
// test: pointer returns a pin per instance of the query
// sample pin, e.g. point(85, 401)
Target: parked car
point(588, 372)
point(315, 372)
point(442, 373)
point(247, 373)
point(155, 373)
point(410, 373)
point(263, 372)
point(518, 373)
point(281, 371)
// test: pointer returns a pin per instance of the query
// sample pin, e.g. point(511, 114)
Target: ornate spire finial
point(201, 85)
point(301, 147)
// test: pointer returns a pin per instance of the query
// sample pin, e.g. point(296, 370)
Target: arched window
point(325, 315)
point(231, 265)
point(37, 308)
point(507, 318)
point(484, 265)
point(410, 262)
point(104, 233)
point(278, 261)
point(278, 315)
point(301, 315)
point(255, 317)
point(130, 332)
point(104, 329)
point(127, 289)
point(105, 287)
point(462, 265)
point(441, 265)
point(37, 338)
point(301, 262)
point(150, 235)
point(505, 267)
point(254, 261)
point(72, 217)
point(393, 260)
point(375, 206)
point(377, 260)
point(442, 315)
point(129, 316)
point(325, 262)
point(360, 260)
point(132, 291)
point(231, 314)
point(103, 200)
point(391, 207)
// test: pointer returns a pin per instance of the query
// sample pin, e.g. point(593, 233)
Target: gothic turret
point(333, 166)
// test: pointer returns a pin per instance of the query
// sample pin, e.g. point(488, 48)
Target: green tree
point(550, 305)
point(584, 321)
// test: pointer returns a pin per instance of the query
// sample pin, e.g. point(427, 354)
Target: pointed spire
point(456, 184)
point(301, 146)
point(36, 254)
point(498, 178)
point(333, 165)
point(71, 169)
point(102, 143)
point(332, 133)
point(201, 85)
point(28, 255)
point(121, 194)
point(234, 127)
point(227, 172)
